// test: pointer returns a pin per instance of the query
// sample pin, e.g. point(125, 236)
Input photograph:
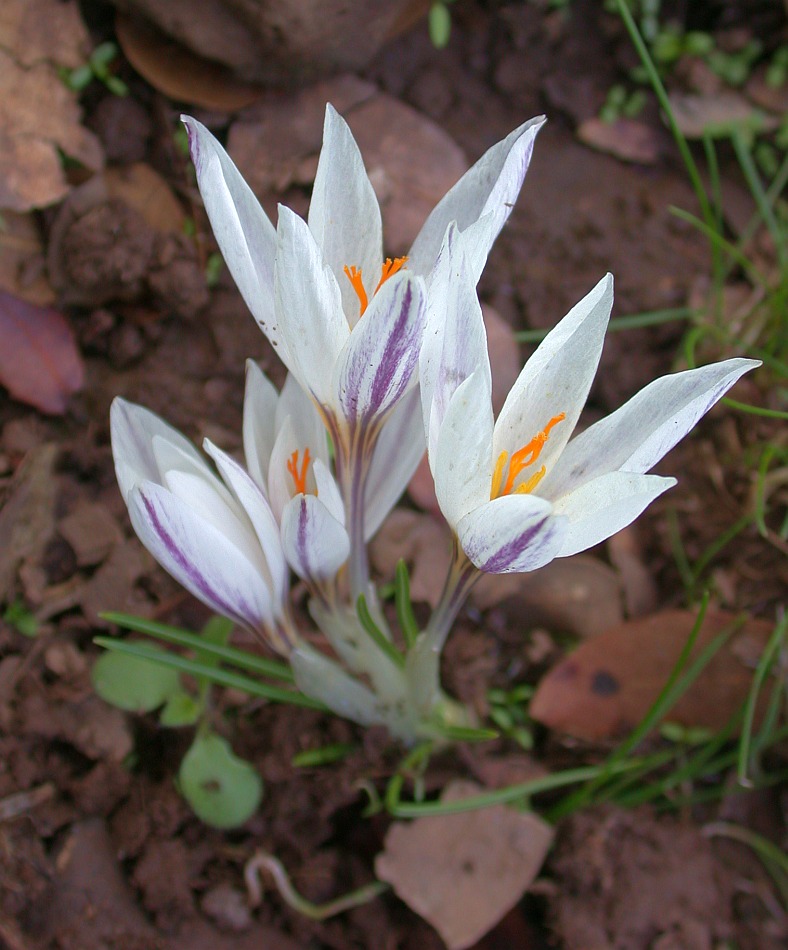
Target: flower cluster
point(387, 358)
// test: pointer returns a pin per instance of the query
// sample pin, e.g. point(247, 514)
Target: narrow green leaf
point(186, 638)
point(378, 637)
point(405, 616)
point(222, 677)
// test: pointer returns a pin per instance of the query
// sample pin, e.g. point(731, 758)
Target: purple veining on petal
point(502, 560)
point(241, 611)
point(390, 379)
point(302, 537)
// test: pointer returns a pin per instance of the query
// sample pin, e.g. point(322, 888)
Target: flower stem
point(459, 581)
point(423, 658)
point(351, 475)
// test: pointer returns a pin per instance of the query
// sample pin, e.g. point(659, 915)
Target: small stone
point(227, 906)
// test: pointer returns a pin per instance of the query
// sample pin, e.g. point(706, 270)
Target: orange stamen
point(521, 459)
point(388, 269)
point(354, 276)
point(299, 478)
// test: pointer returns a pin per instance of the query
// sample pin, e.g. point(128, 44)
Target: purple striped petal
point(490, 187)
point(200, 557)
point(251, 498)
point(315, 543)
point(512, 534)
point(377, 364)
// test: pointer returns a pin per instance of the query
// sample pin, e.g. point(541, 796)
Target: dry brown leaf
point(38, 117)
point(51, 30)
point(464, 872)
point(627, 139)
point(179, 73)
point(605, 687)
point(39, 360)
point(718, 114)
point(22, 264)
point(144, 190)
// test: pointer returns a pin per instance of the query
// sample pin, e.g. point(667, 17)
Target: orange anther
point(389, 269)
point(299, 478)
point(521, 459)
point(353, 274)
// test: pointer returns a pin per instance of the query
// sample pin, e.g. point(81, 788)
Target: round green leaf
point(223, 790)
point(133, 684)
point(181, 709)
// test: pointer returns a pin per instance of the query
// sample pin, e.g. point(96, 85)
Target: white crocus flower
point(516, 491)
point(217, 536)
point(286, 451)
point(347, 324)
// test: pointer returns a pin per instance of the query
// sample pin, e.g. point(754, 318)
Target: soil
point(97, 847)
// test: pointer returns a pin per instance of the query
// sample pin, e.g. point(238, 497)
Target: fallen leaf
point(51, 30)
point(763, 94)
point(605, 687)
point(179, 73)
point(144, 190)
point(22, 262)
point(39, 360)
point(627, 139)
point(718, 115)
point(464, 872)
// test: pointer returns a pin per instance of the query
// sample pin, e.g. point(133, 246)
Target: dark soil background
point(97, 848)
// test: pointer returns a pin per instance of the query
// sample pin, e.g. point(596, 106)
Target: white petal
point(491, 186)
point(200, 557)
point(605, 505)
point(260, 401)
point(133, 429)
point(379, 361)
point(395, 458)
point(344, 215)
point(462, 463)
point(309, 307)
point(556, 379)
point(254, 503)
point(201, 497)
point(636, 436)
point(512, 534)
point(319, 677)
point(281, 485)
point(315, 543)
point(455, 342)
point(308, 429)
point(245, 235)
point(328, 492)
